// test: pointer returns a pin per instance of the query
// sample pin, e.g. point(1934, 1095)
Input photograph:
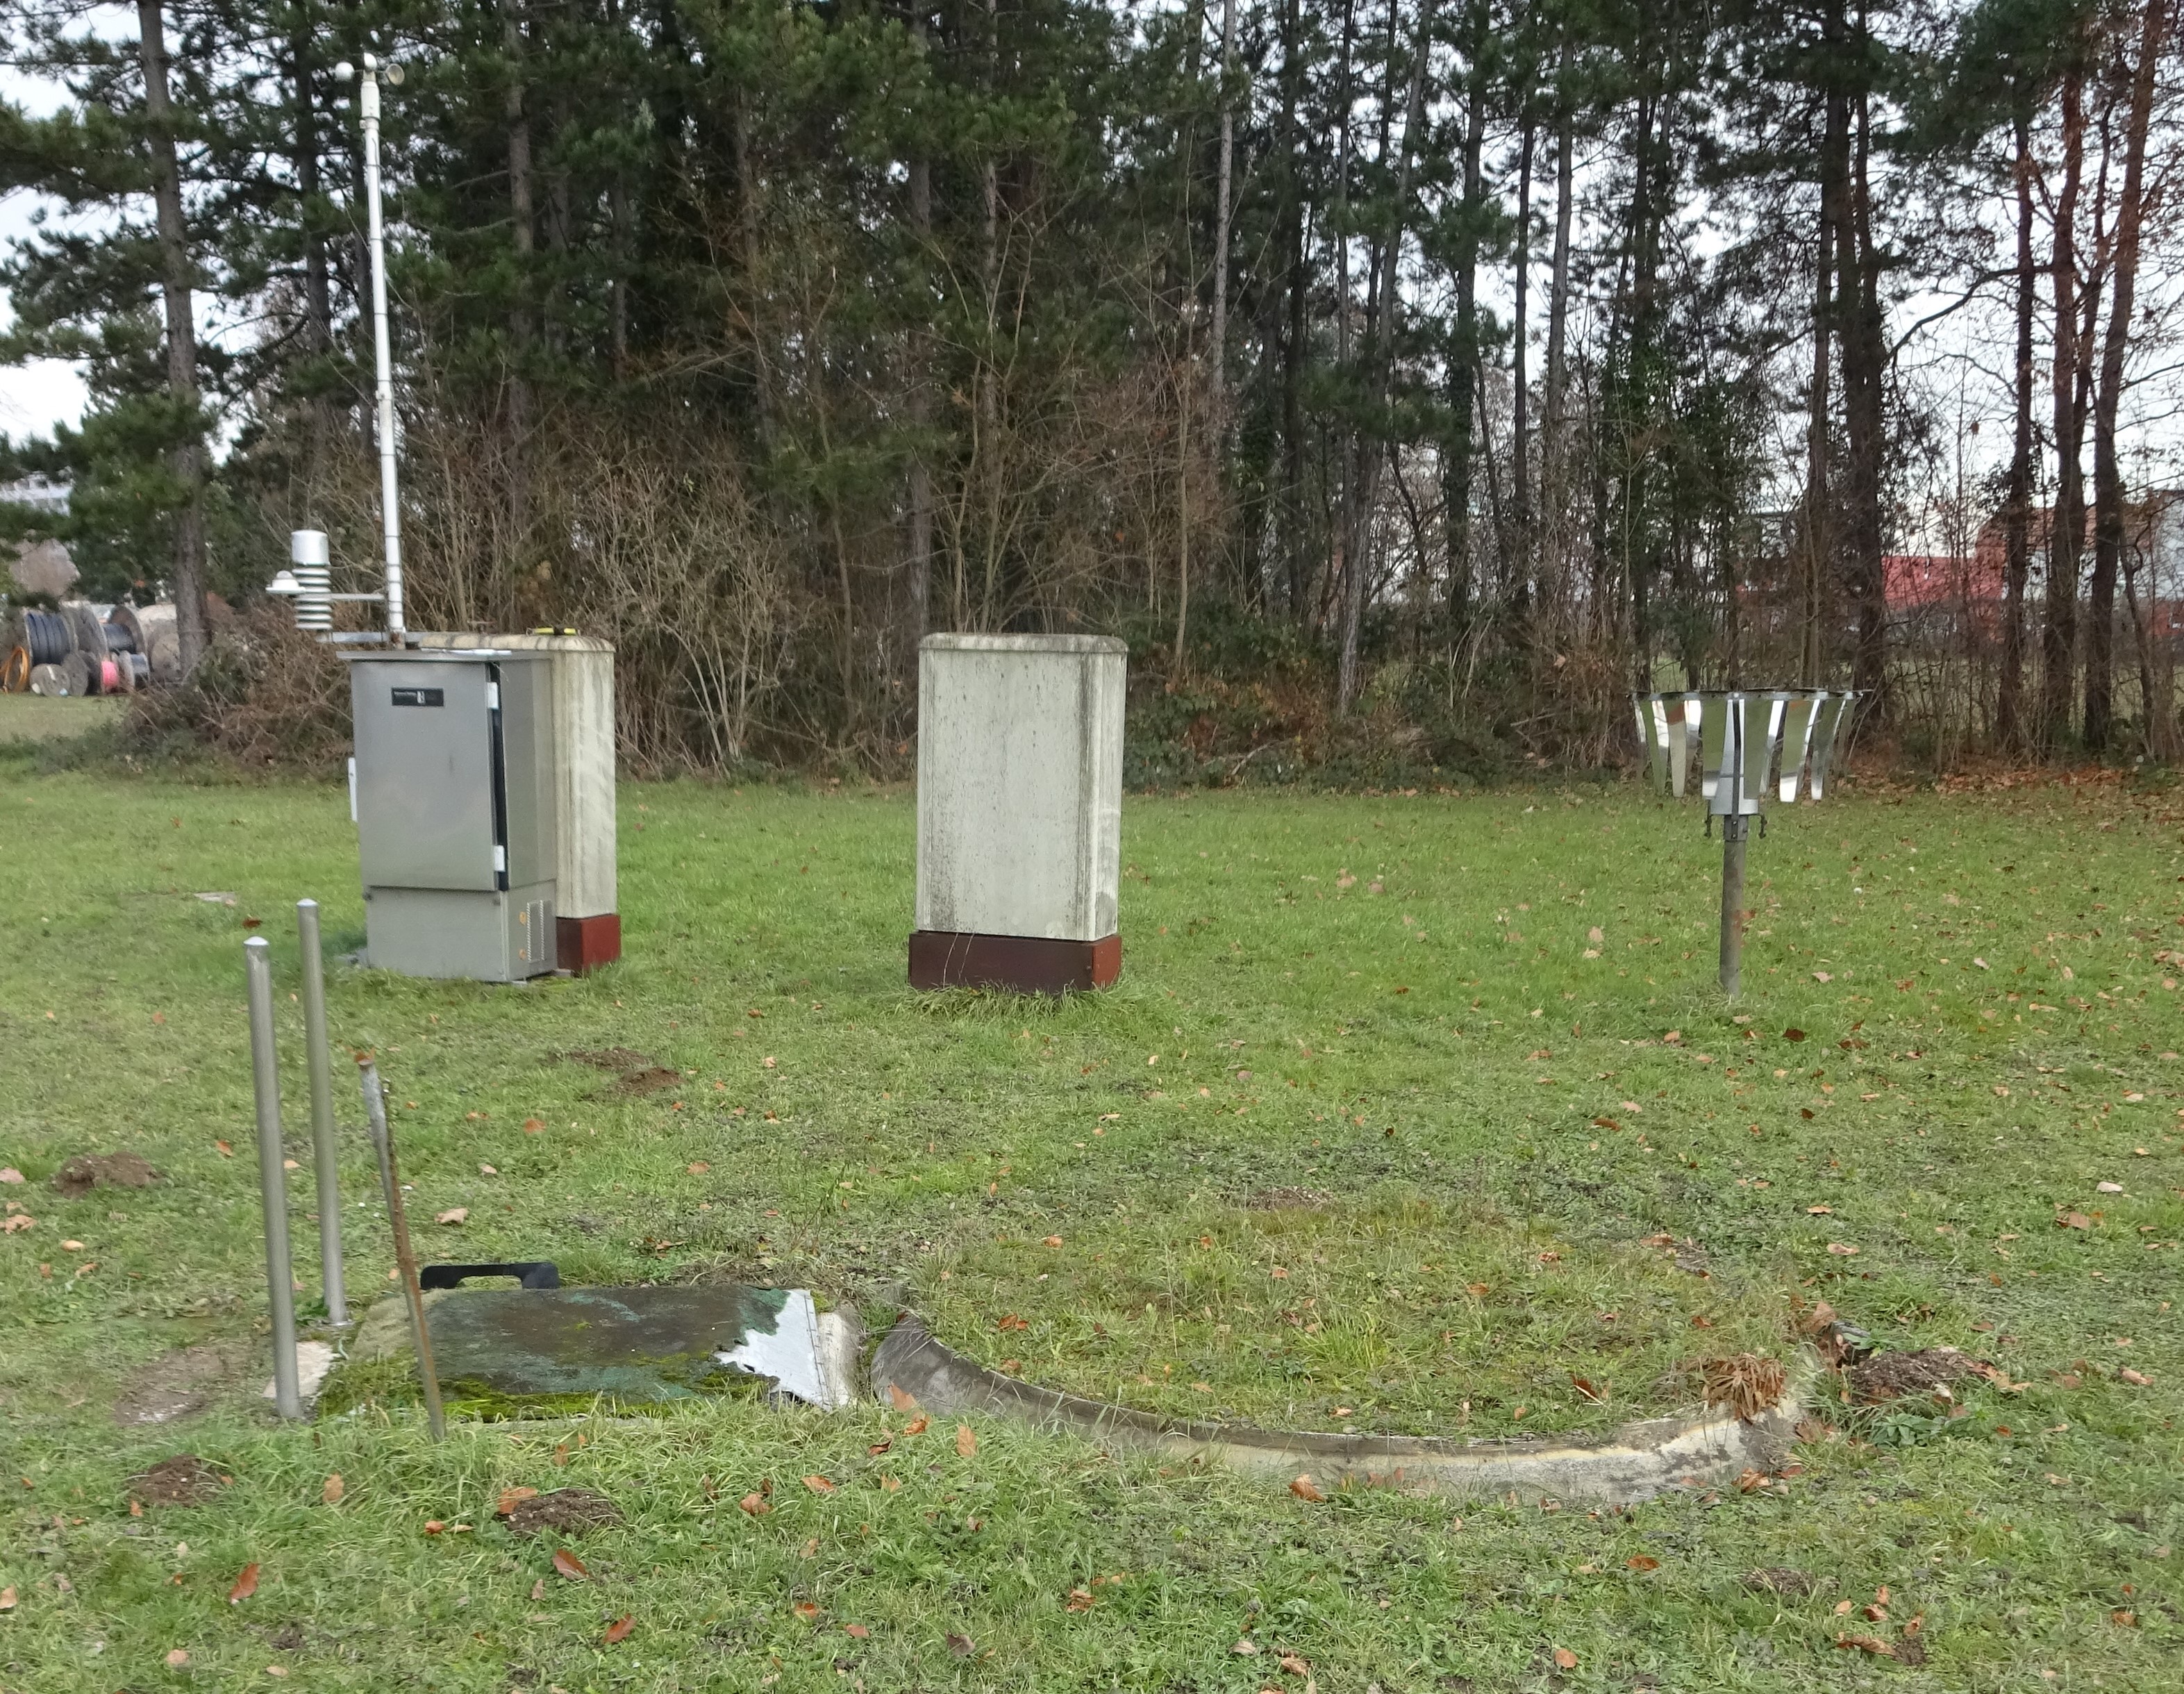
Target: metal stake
point(273, 1182)
point(390, 1182)
point(1735, 830)
point(320, 1062)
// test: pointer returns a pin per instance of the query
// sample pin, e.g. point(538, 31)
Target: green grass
point(31, 718)
point(899, 1148)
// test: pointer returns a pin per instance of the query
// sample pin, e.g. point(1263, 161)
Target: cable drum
point(88, 628)
point(47, 680)
point(75, 674)
point(166, 657)
point(120, 636)
point(15, 672)
point(120, 678)
point(44, 635)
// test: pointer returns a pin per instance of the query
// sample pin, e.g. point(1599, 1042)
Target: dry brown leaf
point(1842, 1250)
point(818, 1485)
point(1749, 1479)
point(532, 1126)
point(2133, 1378)
point(917, 1426)
point(510, 1498)
point(1080, 1600)
point(2073, 1220)
point(453, 1214)
point(1294, 1665)
point(806, 1610)
point(246, 1584)
point(1643, 1561)
point(857, 1632)
point(1872, 1644)
point(961, 1645)
point(901, 1400)
point(967, 1441)
point(1303, 1488)
point(1585, 1386)
point(754, 1504)
point(1565, 1659)
point(8, 1598)
point(619, 1629)
point(333, 1489)
point(177, 1657)
point(1052, 1241)
point(890, 1485)
point(538, 1589)
point(568, 1565)
point(1246, 1647)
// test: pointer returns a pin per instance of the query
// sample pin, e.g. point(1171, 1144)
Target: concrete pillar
point(1019, 811)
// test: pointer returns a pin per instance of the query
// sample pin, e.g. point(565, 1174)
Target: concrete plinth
point(1019, 811)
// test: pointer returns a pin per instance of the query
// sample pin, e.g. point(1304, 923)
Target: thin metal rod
point(273, 1182)
point(325, 1158)
point(390, 505)
point(390, 1182)
point(1735, 832)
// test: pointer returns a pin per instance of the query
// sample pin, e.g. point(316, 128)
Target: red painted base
point(1025, 964)
point(584, 944)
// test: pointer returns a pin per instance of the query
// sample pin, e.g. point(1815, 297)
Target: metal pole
point(273, 1182)
point(324, 1159)
point(390, 509)
point(1735, 830)
point(390, 1182)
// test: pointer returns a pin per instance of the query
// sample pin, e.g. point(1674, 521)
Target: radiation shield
point(1797, 712)
point(1827, 728)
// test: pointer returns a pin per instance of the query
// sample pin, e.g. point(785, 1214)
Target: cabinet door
point(425, 775)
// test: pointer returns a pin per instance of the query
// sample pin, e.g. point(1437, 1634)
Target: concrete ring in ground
point(1638, 1461)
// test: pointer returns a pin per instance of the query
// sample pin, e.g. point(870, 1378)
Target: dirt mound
point(1886, 1376)
point(569, 1510)
point(185, 1479)
point(640, 1075)
point(84, 1172)
point(1781, 1579)
point(1288, 1200)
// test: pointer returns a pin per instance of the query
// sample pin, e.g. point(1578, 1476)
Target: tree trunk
point(318, 303)
point(1384, 329)
point(1864, 378)
point(521, 330)
point(1222, 211)
point(1463, 354)
point(2109, 539)
point(185, 458)
point(1520, 478)
point(2017, 510)
point(1817, 541)
point(1297, 290)
point(918, 562)
point(2058, 634)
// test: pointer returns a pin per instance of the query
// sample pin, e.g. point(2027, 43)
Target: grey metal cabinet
point(455, 812)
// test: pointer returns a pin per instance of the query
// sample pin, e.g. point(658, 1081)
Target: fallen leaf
point(566, 1563)
point(21, 1220)
point(333, 1492)
point(1643, 1561)
point(2128, 1619)
point(1793, 1035)
point(532, 1126)
point(2134, 1379)
point(510, 1498)
point(1303, 1488)
point(8, 1599)
point(1821, 1211)
point(1477, 1291)
point(1842, 1250)
point(859, 1631)
point(697, 1167)
point(1749, 1479)
point(967, 1439)
point(1246, 1648)
point(1052, 1241)
point(433, 1526)
point(8, 1173)
point(1080, 1600)
point(619, 1629)
point(806, 1610)
point(2073, 1220)
point(177, 1657)
point(1584, 1385)
point(890, 1485)
point(224, 1150)
point(820, 1485)
point(538, 1589)
point(754, 1504)
point(961, 1645)
point(1294, 1665)
point(917, 1426)
point(1565, 1659)
point(1872, 1644)
point(899, 1400)
point(246, 1584)
point(1822, 976)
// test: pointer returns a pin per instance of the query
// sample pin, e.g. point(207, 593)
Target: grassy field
point(31, 718)
point(1452, 1065)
